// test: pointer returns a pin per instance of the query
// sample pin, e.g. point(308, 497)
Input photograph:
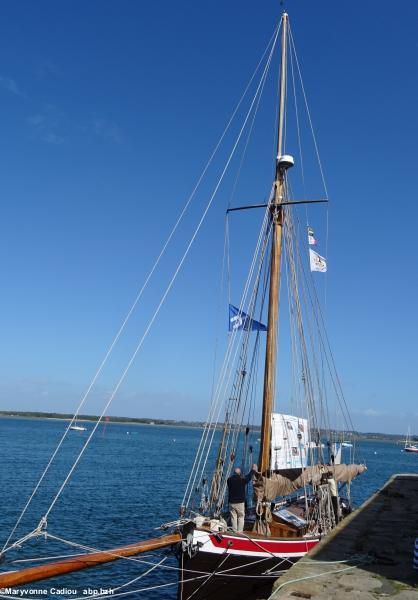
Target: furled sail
point(285, 483)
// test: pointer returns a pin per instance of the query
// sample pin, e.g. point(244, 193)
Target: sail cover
point(295, 479)
point(289, 442)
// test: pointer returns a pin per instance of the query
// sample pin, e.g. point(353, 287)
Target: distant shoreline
point(93, 418)
point(369, 436)
point(111, 422)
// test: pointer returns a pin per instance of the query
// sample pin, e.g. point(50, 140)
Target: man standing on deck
point(333, 489)
point(236, 490)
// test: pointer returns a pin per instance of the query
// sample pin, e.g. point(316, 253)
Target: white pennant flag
point(311, 238)
point(317, 262)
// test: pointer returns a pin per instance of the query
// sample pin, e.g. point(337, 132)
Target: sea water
point(130, 480)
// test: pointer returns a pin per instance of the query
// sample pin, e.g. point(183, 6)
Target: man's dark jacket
point(236, 487)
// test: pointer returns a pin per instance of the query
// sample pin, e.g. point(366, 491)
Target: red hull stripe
point(275, 546)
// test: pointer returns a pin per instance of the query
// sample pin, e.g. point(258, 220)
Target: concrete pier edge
point(368, 556)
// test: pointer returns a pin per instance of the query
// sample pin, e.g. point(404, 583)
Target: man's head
point(237, 470)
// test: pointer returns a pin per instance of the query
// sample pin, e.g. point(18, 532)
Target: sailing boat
point(75, 427)
point(300, 489)
point(409, 446)
point(295, 488)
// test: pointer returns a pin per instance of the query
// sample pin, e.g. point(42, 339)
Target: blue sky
point(108, 114)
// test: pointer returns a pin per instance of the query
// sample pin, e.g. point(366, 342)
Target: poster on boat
point(289, 442)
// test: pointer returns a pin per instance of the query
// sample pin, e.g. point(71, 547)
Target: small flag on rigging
point(311, 239)
point(317, 262)
point(238, 319)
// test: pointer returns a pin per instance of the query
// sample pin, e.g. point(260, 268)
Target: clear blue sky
point(108, 113)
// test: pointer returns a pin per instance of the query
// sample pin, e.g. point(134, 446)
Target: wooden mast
point(276, 247)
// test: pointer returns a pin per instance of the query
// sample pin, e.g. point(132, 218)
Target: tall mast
point(282, 163)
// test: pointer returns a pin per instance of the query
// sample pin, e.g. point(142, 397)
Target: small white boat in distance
point(409, 446)
point(76, 427)
point(346, 444)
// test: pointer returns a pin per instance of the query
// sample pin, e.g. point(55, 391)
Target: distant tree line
point(349, 435)
point(80, 417)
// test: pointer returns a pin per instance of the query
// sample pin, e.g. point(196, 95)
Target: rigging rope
point(309, 577)
point(226, 256)
point(156, 312)
point(144, 574)
point(223, 573)
point(225, 382)
point(215, 403)
point(225, 268)
point(140, 293)
point(224, 558)
point(308, 321)
point(200, 574)
point(210, 424)
point(90, 549)
point(312, 300)
point(233, 433)
point(299, 320)
point(293, 47)
point(325, 342)
point(302, 170)
point(308, 113)
point(165, 294)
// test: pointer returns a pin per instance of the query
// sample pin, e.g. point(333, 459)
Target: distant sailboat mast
point(409, 445)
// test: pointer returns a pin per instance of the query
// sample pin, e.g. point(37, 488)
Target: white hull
point(411, 449)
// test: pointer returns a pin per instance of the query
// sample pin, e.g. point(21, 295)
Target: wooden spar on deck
point(276, 247)
point(78, 563)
